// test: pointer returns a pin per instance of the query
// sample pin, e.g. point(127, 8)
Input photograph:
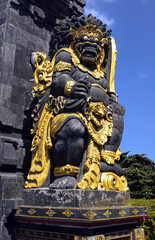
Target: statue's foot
point(65, 182)
point(91, 178)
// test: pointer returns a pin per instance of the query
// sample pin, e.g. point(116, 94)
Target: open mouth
point(88, 50)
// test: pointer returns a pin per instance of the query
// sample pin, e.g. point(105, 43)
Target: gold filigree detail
point(97, 73)
point(68, 87)
point(99, 129)
point(67, 170)
point(50, 213)
point(122, 213)
point(113, 65)
point(139, 234)
point(31, 211)
point(107, 213)
point(62, 66)
point(135, 211)
point(40, 151)
point(42, 142)
point(68, 213)
point(90, 214)
point(98, 86)
point(90, 29)
point(43, 73)
point(18, 210)
point(109, 156)
point(97, 237)
point(110, 181)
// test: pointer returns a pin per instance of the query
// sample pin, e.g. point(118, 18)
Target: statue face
point(88, 48)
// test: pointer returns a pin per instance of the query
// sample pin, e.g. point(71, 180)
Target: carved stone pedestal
point(77, 214)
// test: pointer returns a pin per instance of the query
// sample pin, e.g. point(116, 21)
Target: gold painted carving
point(107, 213)
point(40, 151)
point(18, 210)
point(99, 129)
point(135, 211)
point(110, 181)
point(50, 213)
point(97, 73)
point(90, 214)
point(67, 170)
point(90, 29)
point(113, 65)
point(109, 156)
point(68, 87)
point(122, 213)
point(31, 211)
point(98, 237)
point(68, 213)
point(98, 86)
point(139, 234)
point(43, 74)
point(61, 66)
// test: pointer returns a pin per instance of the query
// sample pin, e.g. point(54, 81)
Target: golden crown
point(90, 29)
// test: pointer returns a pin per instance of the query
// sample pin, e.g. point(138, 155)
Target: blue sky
point(133, 27)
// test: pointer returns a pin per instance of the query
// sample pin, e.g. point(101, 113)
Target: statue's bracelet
point(68, 87)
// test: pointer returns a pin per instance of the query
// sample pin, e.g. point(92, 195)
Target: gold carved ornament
point(41, 144)
point(99, 126)
point(113, 65)
point(42, 75)
point(68, 87)
point(97, 73)
point(67, 170)
point(110, 181)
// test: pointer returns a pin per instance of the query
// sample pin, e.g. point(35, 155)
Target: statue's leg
point(69, 149)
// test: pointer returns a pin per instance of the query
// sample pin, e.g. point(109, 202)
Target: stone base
point(24, 232)
point(74, 197)
point(80, 217)
point(79, 223)
point(77, 215)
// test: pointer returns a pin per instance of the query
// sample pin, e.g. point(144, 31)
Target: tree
point(140, 174)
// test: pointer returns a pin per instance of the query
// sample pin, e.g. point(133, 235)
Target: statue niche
point(77, 122)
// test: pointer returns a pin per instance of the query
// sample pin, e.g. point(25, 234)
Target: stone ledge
point(74, 197)
point(82, 217)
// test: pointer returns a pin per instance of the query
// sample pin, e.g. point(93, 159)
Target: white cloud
point(110, 1)
point(91, 3)
point(145, 1)
point(102, 16)
point(142, 75)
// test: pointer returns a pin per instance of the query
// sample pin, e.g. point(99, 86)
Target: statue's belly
point(99, 95)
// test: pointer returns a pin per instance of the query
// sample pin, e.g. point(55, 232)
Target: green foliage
point(149, 223)
point(140, 175)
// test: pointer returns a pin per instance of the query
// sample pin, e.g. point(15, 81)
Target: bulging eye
point(85, 38)
point(96, 39)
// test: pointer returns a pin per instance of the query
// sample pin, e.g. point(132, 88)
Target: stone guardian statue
point(77, 122)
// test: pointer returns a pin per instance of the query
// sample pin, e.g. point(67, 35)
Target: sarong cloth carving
point(77, 110)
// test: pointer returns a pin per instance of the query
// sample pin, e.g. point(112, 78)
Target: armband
point(68, 87)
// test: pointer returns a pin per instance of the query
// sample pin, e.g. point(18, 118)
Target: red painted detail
point(79, 224)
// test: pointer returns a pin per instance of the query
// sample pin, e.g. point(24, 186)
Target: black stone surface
point(74, 197)
point(38, 232)
point(89, 216)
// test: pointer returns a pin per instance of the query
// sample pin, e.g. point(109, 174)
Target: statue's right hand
point(81, 88)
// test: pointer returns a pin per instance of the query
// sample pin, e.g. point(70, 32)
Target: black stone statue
point(77, 122)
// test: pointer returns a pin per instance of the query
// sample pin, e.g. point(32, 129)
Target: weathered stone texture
point(10, 197)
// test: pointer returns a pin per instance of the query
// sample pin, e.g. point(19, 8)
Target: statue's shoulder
point(63, 56)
